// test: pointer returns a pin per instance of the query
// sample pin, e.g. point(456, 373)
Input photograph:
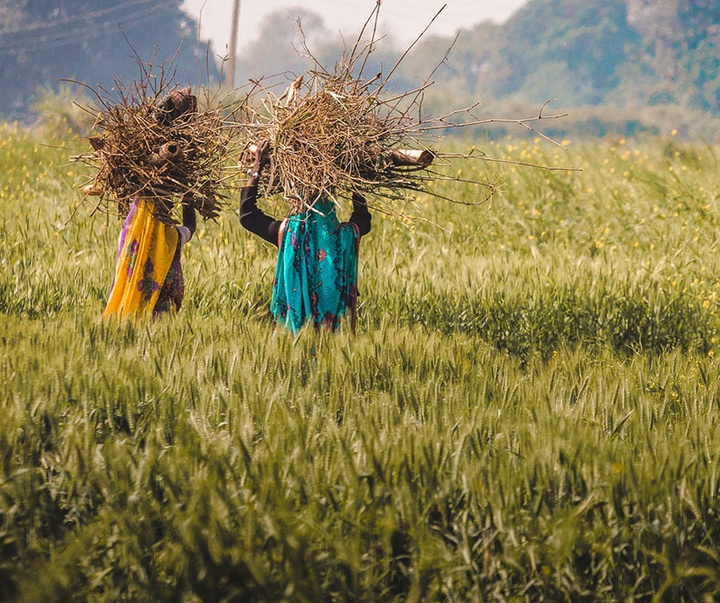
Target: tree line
point(640, 57)
point(623, 66)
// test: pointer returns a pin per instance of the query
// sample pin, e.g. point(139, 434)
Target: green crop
point(528, 411)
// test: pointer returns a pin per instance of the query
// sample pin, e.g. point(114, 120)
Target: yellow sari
point(146, 249)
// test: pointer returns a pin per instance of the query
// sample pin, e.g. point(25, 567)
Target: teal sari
point(316, 272)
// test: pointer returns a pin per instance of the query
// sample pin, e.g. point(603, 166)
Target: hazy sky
point(403, 19)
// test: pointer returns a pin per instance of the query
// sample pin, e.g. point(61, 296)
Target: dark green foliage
point(94, 42)
point(588, 41)
point(610, 53)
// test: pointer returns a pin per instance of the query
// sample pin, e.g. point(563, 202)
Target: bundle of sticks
point(333, 134)
point(160, 144)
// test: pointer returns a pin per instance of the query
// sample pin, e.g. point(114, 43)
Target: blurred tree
point(562, 46)
point(632, 52)
point(681, 50)
point(623, 53)
point(289, 42)
point(277, 51)
point(92, 41)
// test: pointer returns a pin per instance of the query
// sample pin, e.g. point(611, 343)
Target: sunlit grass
point(528, 410)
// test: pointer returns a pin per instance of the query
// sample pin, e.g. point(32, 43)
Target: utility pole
point(233, 43)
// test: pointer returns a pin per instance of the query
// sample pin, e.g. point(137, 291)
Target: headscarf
point(316, 272)
point(146, 250)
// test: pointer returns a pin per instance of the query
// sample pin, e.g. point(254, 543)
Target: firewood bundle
point(161, 144)
point(333, 134)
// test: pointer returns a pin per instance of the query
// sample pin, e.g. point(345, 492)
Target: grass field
point(529, 410)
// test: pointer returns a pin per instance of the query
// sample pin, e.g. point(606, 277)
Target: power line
point(80, 17)
point(35, 38)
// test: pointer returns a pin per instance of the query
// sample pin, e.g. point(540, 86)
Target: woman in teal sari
point(316, 272)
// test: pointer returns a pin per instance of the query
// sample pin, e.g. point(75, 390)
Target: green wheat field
point(529, 410)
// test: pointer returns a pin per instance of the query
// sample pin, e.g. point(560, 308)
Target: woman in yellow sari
point(148, 275)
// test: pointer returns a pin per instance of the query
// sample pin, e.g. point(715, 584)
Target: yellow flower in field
point(544, 570)
point(706, 304)
point(673, 133)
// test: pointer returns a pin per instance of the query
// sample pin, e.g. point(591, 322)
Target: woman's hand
point(262, 155)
